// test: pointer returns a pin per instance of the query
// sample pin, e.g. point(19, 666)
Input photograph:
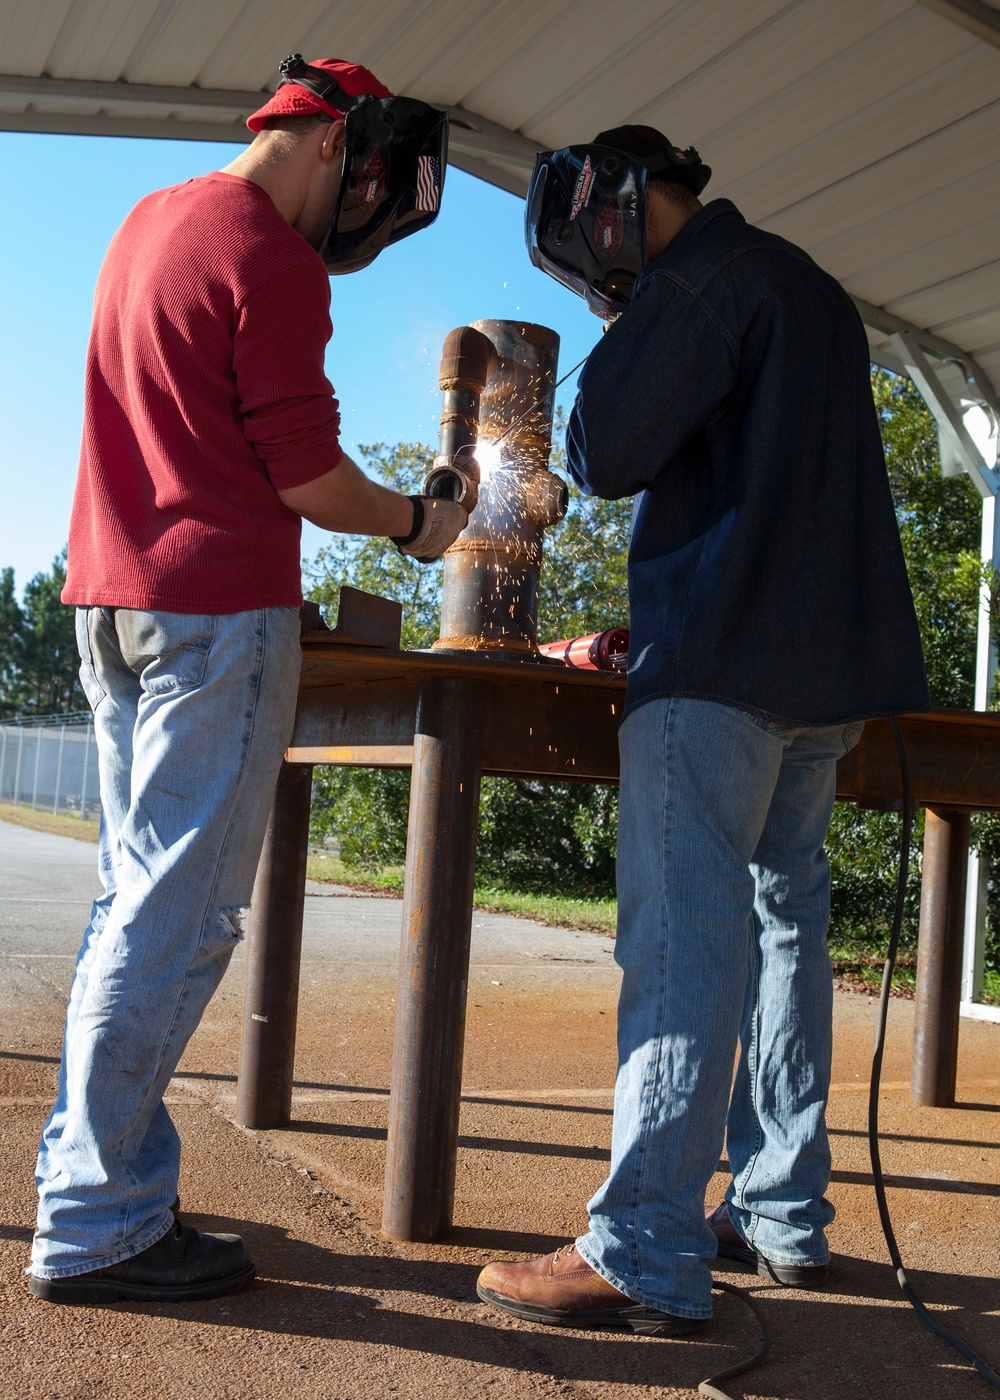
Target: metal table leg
point(434, 963)
point(939, 957)
point(274, 950)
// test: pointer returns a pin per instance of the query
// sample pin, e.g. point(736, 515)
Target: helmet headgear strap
point(321, 84)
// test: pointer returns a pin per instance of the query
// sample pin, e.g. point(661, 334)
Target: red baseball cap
point(291, 100)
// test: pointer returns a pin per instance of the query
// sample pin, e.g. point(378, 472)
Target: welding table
point(453, 717)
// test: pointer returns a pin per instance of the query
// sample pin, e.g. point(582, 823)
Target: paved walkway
point(339, 1313)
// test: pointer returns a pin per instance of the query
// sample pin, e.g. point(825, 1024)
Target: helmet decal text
point(582, 191)
point(609, 230)
point(371, 184)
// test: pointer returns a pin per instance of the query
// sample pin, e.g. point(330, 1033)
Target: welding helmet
point(395, 156)
point(585, 216)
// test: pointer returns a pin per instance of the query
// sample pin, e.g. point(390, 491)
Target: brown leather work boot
point(563, 1290)
point(732, 1245)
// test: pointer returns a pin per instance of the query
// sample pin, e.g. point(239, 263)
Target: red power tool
point(601, 651)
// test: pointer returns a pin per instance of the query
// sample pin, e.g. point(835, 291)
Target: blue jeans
point(192, 714)
point(724, 899)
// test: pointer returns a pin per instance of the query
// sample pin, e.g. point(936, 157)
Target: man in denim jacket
point(770, 616)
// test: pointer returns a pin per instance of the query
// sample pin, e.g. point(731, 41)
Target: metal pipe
point(38, 757)
point(434, 962)
point(465, 366)
point(86, 773)
point(490, 590)
point(274, 951)
point(59, 766)
point(17, 771)
point(939, 956)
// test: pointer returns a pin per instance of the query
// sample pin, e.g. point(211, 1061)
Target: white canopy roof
point(864, 130)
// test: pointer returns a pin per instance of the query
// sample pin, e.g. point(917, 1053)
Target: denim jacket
point(733, 400)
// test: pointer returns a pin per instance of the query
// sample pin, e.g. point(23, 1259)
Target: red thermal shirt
point(205, 394)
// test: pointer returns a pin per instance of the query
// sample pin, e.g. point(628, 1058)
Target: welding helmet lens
point(395, 157)
point(585, 217)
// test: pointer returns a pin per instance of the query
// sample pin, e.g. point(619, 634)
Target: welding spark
point(488, 456)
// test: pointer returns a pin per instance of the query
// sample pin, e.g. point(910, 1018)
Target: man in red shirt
point(210, 430)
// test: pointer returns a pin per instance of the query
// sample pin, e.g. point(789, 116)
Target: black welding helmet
point(395, 157)
point(585, 217)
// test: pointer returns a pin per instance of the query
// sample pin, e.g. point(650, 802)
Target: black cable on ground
point(945, 1333)
point(710, 1387)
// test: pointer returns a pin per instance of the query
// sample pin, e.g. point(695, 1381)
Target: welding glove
point(437, 523)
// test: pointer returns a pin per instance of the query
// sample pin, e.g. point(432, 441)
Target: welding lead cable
point(710, 1386)
point(547, 395)
point(470, 446)
point(945, 1333)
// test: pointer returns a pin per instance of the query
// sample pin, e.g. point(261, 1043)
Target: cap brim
point(291, 101)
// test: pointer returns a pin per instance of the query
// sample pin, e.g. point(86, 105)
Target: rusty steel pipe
point(274, 950)
point(490, 592)
point(434, 962)
point(465, 366)
point(939, 956)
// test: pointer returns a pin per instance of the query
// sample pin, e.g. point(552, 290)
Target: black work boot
point(181, 1266)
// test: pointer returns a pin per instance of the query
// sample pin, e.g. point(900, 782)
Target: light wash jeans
point(724, 899)
point(192, 714)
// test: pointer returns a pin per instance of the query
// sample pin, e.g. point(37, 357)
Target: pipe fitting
point(447, 482)
point(490, 594)
point(546, 498)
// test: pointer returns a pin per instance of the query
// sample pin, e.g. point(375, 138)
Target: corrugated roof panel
point(27, 32)
point(724, 63)
point(909, 226)
point(175, 47)
point(927, 169)
point(954, 297)
point(832, 126)
point(889, 274)
point(248, 57)
point(492, 38)
point(576, 46)
point(862, 129)
point(97, 40)
point(249, 53)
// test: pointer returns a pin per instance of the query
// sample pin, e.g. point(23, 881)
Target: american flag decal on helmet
point(428, 184)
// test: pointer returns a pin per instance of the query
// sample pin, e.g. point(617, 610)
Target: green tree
point(561, 837)
point(11, 629)
point(365, 809)
point(939, 524)
point(532, 836)
point(38, 655)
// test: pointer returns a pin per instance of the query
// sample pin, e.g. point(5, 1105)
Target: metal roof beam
point(67, 94)
point(483, 139)
point(946, 410)
point(477, 145)
point(972, 372)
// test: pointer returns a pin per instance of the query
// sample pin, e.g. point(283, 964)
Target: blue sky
point(64, 196)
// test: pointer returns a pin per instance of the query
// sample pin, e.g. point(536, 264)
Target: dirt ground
point(338, 1313)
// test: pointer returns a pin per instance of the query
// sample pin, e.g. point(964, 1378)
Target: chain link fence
point(49, 763)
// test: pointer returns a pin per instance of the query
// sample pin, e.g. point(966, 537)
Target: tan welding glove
point(437, 524)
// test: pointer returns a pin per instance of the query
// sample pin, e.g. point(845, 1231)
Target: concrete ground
point(337, 1313)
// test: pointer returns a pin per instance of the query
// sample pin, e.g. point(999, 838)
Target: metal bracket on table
point(363, 619)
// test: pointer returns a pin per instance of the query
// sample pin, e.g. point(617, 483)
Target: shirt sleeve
point(658, 377)
point(290, 416)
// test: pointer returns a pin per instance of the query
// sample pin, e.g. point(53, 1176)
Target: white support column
point(948, 414)
point(974, 950)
